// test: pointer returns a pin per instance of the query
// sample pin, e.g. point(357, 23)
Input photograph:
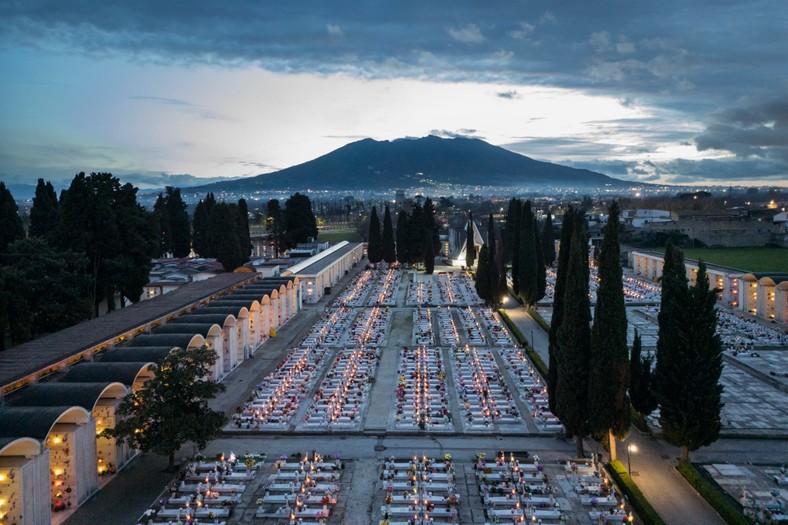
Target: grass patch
point(760, 259)
point(336, 236)
point(535, 358)
point(722, 503)
point(642, 507)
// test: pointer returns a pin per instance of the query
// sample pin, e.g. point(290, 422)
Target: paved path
point(654, 463)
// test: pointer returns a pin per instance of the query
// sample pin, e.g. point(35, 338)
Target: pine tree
point(374, 246)
point(609, 411)
point(389, 251)
point(567, 228)
point(402, 237)
point(470, 246)
point(10, 223)
point(43, 214)
point(640, 382)
point(574, 342)
point(429, 256)
point(172, 407)
point(688, 372)
point(529, 288)
point(548, 240)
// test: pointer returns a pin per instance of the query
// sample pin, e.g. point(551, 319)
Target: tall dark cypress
point(11, 228)
point(429, 255)
point(608, 402)
point(574, 337)
point(541, 271)
point(640, 387)
point(507, 237)
point(492, 272)
point(43, 214)
point(689, 392)
point(483, 275)
point(548, 240)
point(470, 247)
point(529, 288)
point(515, 245)
point(389, 251)
point(201, 225)
point(567, 228)
point(374, 246)
point(402, 237)
point(244, 235)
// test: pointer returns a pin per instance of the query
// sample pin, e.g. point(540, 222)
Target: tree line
point(593, 379)
point(415, 240)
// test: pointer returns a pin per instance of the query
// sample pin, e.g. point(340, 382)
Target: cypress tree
point(508, 233)
point(567, 228)
point(541, 271)
point(200, 227)
point(374, 246)
point(574, 342)
point(529, 288)
point(493, 276)
point(430, 225)
point(179, 223)
point(548, 240)
point(429, 256)
point(274, 224)
point(515, 246)
point(609, 411)
point(402, 237)
point(689, 392)
point(298, 220)
point(483, 275)
point(162, 223)
point(43, 214)
point(416, 234)
point(640, 389)
point(244, 237)
point(389, 251)
point(470, 247)
point(224, 224)
point(11, 228)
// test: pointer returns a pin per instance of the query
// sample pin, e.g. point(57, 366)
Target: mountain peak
point(410, 162)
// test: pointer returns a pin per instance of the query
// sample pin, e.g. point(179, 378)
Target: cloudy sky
point(675, 91)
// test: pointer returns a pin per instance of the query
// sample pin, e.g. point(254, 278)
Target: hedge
point(642, 507)
point(720, 501)
point(536, 316)
point(535, 358)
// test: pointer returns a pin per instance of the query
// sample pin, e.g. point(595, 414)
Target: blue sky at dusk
point(684, 92)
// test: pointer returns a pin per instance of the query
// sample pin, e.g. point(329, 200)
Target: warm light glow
point(632, 448)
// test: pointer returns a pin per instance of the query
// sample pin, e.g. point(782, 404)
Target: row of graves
point(418, 491)
point(637, 290)
point(422, 402)
point(301, 490)
point(443, 289)
point(424, 322)
point(515, 489)
point(205, 491)
point(337, 380)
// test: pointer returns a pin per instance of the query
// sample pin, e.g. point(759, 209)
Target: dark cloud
point(689, 57)
point(754, 129)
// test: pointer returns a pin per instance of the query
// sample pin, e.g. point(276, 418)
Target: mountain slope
point(406, 163)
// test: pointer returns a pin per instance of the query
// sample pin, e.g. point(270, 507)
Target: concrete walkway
point(654, 463)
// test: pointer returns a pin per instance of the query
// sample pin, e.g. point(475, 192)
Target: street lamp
point(633, 449)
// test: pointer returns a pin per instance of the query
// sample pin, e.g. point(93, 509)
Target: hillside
point(407, 163)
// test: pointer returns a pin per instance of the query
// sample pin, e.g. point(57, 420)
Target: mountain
point(409, 163)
